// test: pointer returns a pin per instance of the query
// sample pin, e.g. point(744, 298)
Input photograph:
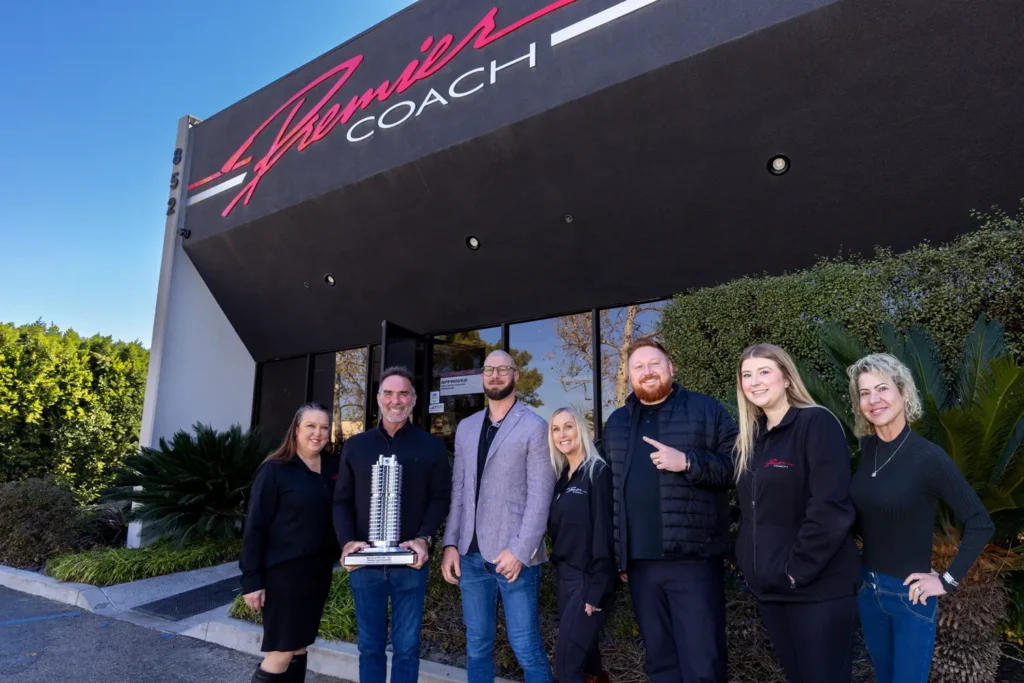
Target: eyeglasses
point(503, 370)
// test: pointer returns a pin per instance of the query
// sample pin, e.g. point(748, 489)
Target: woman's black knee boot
point(297, 669)
point(261, 676)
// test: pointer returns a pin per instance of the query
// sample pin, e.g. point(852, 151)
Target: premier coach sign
point(298, 126)
point(537, 54)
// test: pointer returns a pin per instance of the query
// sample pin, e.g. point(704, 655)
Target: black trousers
point(814, 640)
point(680, 609)
point(577, 651)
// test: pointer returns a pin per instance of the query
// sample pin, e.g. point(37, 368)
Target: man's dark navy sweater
point(426, 482)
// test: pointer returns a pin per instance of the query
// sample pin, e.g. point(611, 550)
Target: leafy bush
point(194, 487)
point(70, 408)
point(338, 621)
point(38, 520)
point(112, 566)
point(944, 287)
point(105, 525)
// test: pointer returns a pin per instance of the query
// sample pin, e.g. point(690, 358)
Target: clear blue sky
point(92, 91)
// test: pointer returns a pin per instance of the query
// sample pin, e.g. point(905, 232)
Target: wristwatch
point(949, 583)
point(428, 539)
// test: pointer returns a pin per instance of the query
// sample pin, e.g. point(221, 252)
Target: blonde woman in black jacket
point(794, 545)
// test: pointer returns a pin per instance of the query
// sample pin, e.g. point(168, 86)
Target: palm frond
point(842, 347)
point(193, 486)
point(983, 346)
point(826, 395)
point(1000, 407)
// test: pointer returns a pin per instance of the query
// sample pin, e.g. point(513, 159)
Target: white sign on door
point(455, 385)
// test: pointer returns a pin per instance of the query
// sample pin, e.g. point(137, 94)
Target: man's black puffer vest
point(694, 503)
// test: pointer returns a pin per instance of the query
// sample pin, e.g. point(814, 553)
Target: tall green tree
point(70, 407)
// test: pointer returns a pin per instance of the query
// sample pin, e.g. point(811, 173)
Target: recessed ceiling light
point(472, 242)
point(329, 280)
point(778, 164)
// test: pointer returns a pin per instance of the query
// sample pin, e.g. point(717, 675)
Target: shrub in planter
point(38, 520)
point(195, 486)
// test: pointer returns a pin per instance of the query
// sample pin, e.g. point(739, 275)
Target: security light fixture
point(329, 280)
point(473, 243)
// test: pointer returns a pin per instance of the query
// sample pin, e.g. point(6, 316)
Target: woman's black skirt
point(294, 603)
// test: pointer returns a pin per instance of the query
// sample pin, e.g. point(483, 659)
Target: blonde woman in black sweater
point(901, 479)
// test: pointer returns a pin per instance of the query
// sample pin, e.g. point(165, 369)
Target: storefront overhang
point(601, 152)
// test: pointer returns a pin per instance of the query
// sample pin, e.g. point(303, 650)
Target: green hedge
point(70, 407)
point(942, 287)
point(122, 565)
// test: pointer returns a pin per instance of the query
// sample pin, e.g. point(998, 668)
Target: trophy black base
point(380, 557)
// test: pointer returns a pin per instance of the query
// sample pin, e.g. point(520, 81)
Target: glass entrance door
point(456, 386)
point(401, 346)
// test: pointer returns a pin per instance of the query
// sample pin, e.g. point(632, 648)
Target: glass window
point(456, 357)
point(282, 391)
point(349, 393)
point(553, 360)
point(619, 328)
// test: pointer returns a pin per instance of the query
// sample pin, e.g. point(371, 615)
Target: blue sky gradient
point(92, 93)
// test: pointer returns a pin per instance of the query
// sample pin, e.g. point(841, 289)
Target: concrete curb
point(80, 595)
point(328, 657)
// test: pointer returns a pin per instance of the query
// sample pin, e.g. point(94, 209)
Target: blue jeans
point(480, 586)
point(371, 588)
point(899, 634)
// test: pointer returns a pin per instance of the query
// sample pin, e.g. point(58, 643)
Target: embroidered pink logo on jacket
point(779, 464)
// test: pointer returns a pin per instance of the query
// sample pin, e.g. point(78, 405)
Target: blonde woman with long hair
point(794, 545)
point(580, 521)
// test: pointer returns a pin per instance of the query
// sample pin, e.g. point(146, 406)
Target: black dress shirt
point(289, 517)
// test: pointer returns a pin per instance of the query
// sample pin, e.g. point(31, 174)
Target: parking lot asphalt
point(42, 641)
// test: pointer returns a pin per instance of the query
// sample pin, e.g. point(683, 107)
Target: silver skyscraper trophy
point(385, 518)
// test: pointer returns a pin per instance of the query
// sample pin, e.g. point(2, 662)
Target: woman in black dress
point(580, 520)
point(289, 545)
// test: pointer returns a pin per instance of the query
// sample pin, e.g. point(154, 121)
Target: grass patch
point(338, 621)
point(120, 565)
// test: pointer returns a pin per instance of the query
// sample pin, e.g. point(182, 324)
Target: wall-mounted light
point(778, 164)
point(329, 280)
point(473, 243)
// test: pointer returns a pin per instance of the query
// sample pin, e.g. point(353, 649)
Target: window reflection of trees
point(349, 392)
point(574, 351)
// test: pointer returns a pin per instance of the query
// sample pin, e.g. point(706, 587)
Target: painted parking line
point(43, 618)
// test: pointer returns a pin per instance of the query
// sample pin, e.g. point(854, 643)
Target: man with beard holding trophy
point(670, 452)
point(391, 496)
point(502, 482)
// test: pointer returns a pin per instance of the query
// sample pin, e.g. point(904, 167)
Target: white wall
point(199, 370)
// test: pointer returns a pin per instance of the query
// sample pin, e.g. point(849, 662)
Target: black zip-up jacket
point(694, 503)
point(580, 520)
point(289, 517)
point(797, 511)
point(426, 482)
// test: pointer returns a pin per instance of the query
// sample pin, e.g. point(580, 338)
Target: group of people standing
point(648, 508)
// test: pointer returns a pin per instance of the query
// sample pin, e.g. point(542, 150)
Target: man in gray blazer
point(502, 483)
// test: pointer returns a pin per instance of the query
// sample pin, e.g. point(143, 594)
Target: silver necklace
point(879, 469)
